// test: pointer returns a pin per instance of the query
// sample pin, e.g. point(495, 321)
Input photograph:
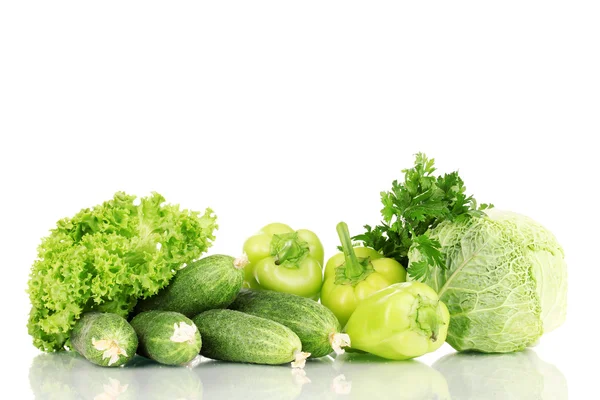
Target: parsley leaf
point(412, 207)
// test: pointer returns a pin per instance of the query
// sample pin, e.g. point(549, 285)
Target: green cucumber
point(316, 326)
point(211, 282)
point(167, 337)
point(230, 335)
point(105, 339)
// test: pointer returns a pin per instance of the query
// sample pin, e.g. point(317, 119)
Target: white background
point(301, 113)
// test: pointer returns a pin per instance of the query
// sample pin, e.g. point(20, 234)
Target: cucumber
point(105, 339)
point(316, 326)
point(211, 282)
point(167, 337)
point(230, 335)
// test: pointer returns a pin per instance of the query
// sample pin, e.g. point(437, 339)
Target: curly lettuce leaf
point(107, 257)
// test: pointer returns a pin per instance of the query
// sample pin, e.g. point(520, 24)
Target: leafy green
point(412, 207)
point(504, 281)
point(107, 257)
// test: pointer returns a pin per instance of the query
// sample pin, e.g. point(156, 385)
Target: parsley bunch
point(421, 202)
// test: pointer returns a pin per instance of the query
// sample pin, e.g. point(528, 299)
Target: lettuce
point(108, 257)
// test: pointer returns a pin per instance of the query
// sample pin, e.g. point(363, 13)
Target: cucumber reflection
point(160, 382)
point(68, 376)
point(362, 376)
point(223, 380)
point(520, 375)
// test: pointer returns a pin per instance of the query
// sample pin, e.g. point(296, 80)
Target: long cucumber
point(230, 335)
point(316, 326)
point(211, 282)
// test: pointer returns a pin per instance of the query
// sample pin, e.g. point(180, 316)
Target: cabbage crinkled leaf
point(108, 257)
point(504, 281)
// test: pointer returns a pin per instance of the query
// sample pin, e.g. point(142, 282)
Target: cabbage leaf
point(504, 281)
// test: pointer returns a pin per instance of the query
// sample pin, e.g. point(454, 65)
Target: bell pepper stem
point(288, 249)
point(353, 266)
point(285, 252)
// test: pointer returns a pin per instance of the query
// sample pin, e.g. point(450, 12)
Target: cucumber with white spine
point(167, 337)
point(105, 339)
point(316, 326)
point(211, 282)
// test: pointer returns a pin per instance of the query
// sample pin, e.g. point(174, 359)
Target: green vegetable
point(504, 281)
point(211, 282)
point(106, 258)
point(354, 274)
point(316, 326)
point(421, 202)
point(167, 337)
point(105, 339)
point(519, 375)
point(230, 335)
point(285, 260)
point(402, 321)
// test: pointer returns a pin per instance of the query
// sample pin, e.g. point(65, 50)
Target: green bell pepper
point(284, 260)
point(402, 321)
point(354, 274)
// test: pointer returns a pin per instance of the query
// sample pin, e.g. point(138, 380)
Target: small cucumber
point(316, 326)
point(230, 335)
point(167, 337)
point(105, 339)
point(211, 282)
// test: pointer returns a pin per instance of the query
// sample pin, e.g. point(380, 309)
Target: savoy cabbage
point(504, 280)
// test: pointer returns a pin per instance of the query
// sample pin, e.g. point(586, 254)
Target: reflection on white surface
point(520, 375)
point(361, 376)
point(224, 380)
point(67, 376)
point(350, 376)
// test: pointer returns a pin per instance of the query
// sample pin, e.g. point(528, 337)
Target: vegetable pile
point(502, 275)
point(125, 278)
point(412, 208)
point(354, 275)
